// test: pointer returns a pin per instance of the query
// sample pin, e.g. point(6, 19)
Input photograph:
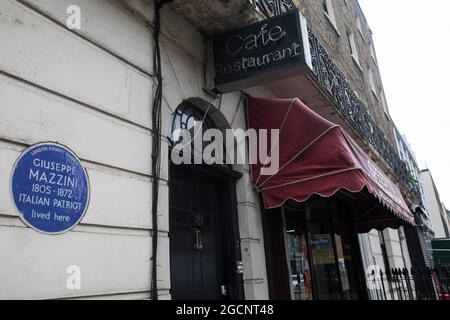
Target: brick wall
point(335, 41)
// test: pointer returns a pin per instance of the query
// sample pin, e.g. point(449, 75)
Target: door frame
point(231, 242)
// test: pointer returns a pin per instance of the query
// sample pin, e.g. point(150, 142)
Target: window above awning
point(317, 157)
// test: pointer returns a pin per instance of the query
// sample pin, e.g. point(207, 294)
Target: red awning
point(317, 157)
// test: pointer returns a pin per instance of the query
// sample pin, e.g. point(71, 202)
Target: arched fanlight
point(191, 119)
point(185, 117)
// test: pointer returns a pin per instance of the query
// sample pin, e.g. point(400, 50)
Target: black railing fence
point(417, 284)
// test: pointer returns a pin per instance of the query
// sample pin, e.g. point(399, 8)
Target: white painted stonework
point(92, 90)
point(434, 206)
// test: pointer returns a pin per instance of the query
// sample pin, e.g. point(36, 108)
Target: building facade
point(434, 206)
point(417, 239)
point(93, 89)
point(407, 155)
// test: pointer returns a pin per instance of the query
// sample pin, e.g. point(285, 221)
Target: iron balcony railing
point(271, 8)
point(332, 81)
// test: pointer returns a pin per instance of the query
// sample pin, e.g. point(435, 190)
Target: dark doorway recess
point(204, 234)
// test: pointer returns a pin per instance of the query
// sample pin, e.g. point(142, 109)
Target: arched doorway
point(203, 223)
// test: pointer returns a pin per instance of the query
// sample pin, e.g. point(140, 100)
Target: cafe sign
point(266, 51)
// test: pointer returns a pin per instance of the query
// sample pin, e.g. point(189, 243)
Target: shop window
point(299, 264)
point(322, 250)
point(323, 258)
point(345, 240)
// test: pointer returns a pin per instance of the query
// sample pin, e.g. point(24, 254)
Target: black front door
point(196, 251)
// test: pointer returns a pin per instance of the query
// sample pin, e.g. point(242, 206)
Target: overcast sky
point(412, 42)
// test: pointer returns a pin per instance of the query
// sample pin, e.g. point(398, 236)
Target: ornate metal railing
point(271, 8)
point(414, 284)
point(333, 82)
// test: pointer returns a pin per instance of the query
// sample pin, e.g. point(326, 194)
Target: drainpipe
point(156, 144)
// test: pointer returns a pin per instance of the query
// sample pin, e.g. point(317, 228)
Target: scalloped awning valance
point(317, 157)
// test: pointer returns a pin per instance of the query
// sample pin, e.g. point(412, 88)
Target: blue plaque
point(50, 188)
point(266, 51)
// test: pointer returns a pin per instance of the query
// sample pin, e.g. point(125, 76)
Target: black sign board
point(265, 51)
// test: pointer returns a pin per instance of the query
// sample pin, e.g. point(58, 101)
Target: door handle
point(198, 243)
